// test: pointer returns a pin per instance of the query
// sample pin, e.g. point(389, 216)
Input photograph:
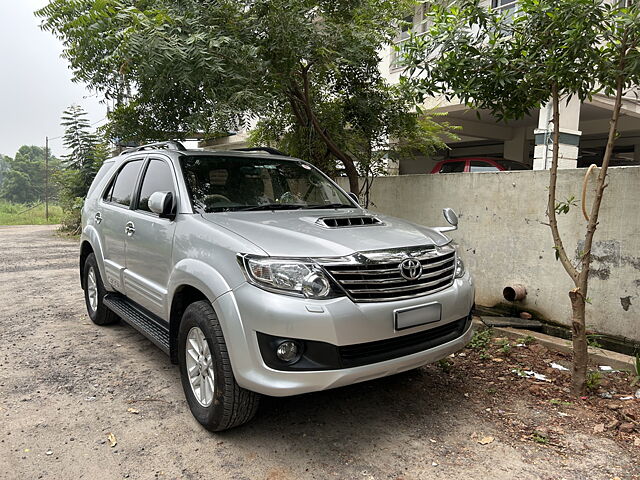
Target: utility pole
point(46, 180)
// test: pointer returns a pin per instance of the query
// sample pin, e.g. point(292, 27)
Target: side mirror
point(162, 204)
point(451, 218)
point(354, 197)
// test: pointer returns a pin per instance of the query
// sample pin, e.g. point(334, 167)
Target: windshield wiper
point(272, 206)
point(329, 205)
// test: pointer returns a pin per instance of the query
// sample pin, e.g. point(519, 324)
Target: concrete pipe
point(514, 292)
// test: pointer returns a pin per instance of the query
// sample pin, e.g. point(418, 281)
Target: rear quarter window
point(102, 172)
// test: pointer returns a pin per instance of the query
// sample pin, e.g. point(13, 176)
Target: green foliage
point(307, 69)
point(592, 340)
point(540, 438)
point(23, 180)
point(593, 380)
point(86, 154)
point(556, 401)
point(481, 339)
point(564, 207)
point(574, 45)
point(505, 347)
point(445, 364)
point(528, 340)
point(24, 214)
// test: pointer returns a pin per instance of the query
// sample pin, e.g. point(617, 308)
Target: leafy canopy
point(510, 63)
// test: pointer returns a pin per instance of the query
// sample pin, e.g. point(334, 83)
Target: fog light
point(288, 351)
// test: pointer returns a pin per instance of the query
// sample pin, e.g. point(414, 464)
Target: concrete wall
point(504, 240)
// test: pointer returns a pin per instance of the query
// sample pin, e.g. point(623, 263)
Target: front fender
point(196, 274)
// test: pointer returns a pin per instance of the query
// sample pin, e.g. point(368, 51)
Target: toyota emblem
point(410, 269)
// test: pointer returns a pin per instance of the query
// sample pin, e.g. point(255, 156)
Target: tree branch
point(553, 179)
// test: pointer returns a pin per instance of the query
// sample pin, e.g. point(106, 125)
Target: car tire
point(94, 293)
point(214, 397)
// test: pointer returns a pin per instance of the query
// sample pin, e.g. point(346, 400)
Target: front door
point(114, 214)
point(149, 243)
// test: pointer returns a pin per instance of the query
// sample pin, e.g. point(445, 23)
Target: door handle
point(130, 228)
point(98, 218)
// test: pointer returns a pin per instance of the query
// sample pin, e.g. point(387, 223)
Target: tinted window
point(511, 165)
point(478, 166)
point(452, 167)
point(124, 183)
point(158, 178)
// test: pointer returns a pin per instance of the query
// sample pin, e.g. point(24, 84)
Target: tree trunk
point(302, 96)
point(579, 338)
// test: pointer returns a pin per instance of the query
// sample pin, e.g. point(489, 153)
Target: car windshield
point(220, 183)
point(511, 165)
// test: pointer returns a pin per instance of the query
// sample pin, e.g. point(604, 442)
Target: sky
point(35, 82)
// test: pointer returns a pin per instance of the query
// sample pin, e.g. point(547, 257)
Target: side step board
point(146, 323)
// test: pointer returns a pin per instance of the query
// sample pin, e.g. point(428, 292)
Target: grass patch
point(20, 214)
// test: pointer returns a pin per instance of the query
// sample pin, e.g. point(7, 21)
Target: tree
point(192, 66)
point(80, 165)
point(544, 51)
point(4, 166)
point(23, 182)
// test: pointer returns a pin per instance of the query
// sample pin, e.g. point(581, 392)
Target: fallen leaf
point(485, 440)
point(113, 441)
point(135, 411)
point(636, 442)
point(599, 428)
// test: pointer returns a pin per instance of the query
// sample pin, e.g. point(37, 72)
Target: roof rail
point(269, 150)
point(168, 145)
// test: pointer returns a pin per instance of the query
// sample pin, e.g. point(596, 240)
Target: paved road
point(66, 384)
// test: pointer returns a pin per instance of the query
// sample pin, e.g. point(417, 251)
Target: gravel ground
point(66, 385)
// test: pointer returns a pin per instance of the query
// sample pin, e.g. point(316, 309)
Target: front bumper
point(248, 310)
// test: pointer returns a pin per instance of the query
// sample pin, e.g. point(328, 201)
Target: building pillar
point(569, 136)
point(517, 148)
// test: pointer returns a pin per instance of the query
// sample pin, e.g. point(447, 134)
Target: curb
point(596, 355)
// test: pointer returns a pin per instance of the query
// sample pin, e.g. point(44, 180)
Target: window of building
point(414, 23)
point(504, 4)
point(157, 178)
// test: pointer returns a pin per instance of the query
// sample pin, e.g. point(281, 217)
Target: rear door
point(114, 214)
point(150, 241)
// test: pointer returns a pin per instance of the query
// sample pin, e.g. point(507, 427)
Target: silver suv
point(257, 274)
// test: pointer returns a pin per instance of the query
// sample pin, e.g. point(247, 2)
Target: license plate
point(416, 316)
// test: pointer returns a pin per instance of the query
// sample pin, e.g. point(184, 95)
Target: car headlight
point(290, 276)
point(459, 267)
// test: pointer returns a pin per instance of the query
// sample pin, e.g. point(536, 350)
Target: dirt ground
point(66, 385)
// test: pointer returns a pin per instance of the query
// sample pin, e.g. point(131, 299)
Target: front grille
point(379, 282)
point(372, 352)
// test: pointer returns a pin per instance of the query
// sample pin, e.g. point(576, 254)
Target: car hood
point(296, 233)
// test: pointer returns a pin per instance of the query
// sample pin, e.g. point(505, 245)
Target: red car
point(477, 164)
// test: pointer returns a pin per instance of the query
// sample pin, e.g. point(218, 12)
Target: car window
point(480, 166)
point(452, 167)
point(511, 165)
point(104, 169)
point(157, 178)
point(122, 189)
point(219, 183)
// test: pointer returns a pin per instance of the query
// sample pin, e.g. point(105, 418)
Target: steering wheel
point(288, 197)
point(216, 198)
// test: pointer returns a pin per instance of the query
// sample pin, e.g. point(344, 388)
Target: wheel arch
point(85, 250)
point(183, 296)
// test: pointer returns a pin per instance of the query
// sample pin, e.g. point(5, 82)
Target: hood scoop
point(344, 222)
